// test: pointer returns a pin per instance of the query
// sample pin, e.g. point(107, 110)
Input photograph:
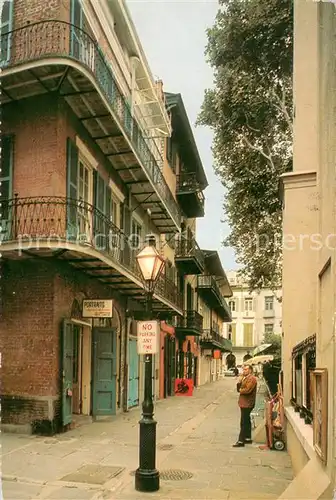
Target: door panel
point(104, 371)
point(133, 373)
point(67, 372)
point(77, 369)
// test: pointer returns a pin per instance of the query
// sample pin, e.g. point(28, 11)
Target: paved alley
point(194, 439)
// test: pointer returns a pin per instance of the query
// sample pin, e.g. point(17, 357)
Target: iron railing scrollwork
point(55, 38)
point(57, 220)
point(187, 182)
point(188, 247)
point(191, 320)
point(210, 336)
point(210, 282)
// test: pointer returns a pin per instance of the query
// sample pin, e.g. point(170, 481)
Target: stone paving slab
point(194, 434)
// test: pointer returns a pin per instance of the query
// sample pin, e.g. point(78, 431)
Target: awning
point(260, 360)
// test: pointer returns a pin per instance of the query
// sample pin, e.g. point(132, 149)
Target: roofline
point(187, 126)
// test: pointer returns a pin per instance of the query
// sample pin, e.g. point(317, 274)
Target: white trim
point(117, 195)
point(304, 432)
point(80, 322)
point(84, 151)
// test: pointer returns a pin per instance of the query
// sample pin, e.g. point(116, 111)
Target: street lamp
point(147, 477)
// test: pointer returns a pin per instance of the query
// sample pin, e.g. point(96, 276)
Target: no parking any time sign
point(148, 337)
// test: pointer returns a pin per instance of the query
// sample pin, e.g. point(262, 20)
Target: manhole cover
point(165, 447)
point(93, 474)
point(172, 475)
point(175, 475)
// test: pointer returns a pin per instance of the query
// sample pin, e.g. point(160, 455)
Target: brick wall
point(29, 344)
point(41, 126)
point(36, 296)
point(39, 146)
point(31, 11)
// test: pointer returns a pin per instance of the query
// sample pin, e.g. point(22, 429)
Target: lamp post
point(147, 477)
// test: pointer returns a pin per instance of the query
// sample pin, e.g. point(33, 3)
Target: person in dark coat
point(247, 388)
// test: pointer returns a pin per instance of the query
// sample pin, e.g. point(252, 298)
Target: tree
point(250, 111)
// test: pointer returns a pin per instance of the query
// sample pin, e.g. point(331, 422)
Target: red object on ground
point(184, 387)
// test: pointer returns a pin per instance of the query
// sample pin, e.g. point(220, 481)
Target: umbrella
point(260, 359)
point(261, 348)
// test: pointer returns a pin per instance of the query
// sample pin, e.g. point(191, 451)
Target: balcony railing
point(57, 220)
point(191, 320)
point(187, 182)
point(210, 336)
point(48, 39)
point(188, 247)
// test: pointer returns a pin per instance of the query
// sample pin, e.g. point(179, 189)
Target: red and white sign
point(148, 337)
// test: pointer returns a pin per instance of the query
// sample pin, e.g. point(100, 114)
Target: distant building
point(253, 315)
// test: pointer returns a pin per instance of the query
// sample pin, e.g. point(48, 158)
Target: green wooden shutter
point(6, 28)
point(6, 191)
point(76, 17)
point(72, 190)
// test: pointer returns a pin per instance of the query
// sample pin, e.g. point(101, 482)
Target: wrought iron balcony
point(210, 338)
point(75, 67)
point(209, 290)
point(79, 233)
point(191, 323)
point(189, 258)
point(189, 194)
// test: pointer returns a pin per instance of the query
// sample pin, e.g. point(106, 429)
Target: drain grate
point(175, 475)
point(172, 475)
point(165, 447)
point(93, 474)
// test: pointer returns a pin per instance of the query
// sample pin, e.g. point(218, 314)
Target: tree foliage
point(250, 111)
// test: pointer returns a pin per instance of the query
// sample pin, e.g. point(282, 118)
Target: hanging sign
point(95, 308)
point(148, 337)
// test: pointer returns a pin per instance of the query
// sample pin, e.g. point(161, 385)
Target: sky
point(173, 36)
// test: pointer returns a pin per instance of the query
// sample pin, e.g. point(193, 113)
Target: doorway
point(72, 370)
point(104, 371)
point(77, 369)
point(169, 365)
point(133, 373)
point(190, 298)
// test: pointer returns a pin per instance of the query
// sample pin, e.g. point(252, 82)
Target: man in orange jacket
point(247, 388)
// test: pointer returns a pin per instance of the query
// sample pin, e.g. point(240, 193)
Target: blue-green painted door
point(133, 373)
point(67, 371)
point(104, 371)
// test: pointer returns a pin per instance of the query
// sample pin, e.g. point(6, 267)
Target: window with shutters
point(248, 304)
point(6, 28)
point(232, 305)
point(136, 235)
point(85, 195)
point(232, 334)
point(6, 183)
point(248, 334)
point(269, 303)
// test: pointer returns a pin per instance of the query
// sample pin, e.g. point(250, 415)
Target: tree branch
point(282, 107)
point(259, 150)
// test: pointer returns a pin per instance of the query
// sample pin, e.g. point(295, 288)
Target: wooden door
point(104, 371)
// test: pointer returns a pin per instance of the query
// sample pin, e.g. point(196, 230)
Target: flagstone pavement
point(194, 455)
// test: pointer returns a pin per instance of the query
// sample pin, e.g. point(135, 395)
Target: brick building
point(87, 171)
